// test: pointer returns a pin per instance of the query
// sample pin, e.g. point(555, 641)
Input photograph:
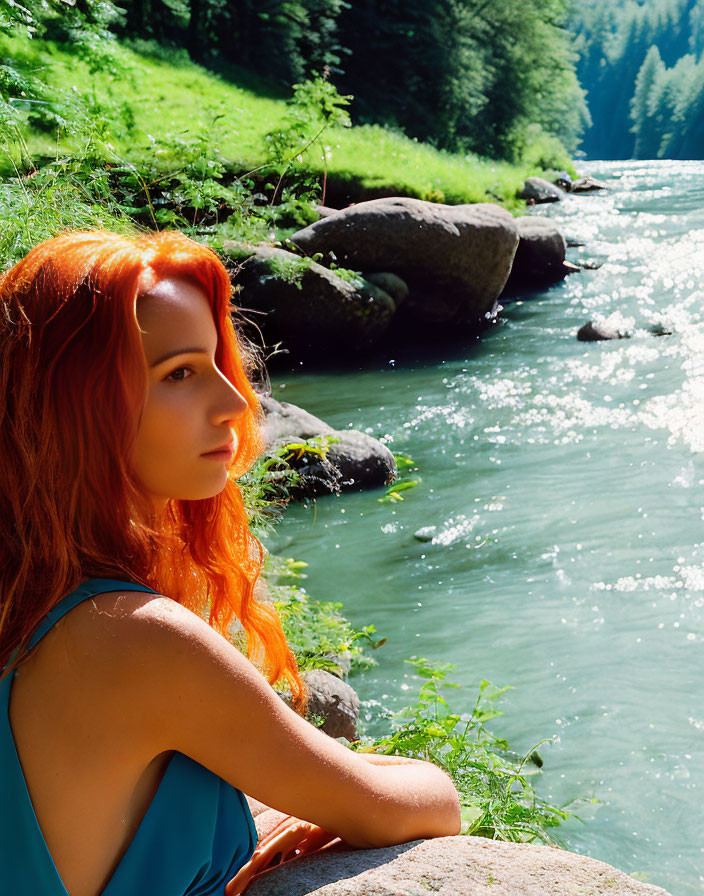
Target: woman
point(133, 726)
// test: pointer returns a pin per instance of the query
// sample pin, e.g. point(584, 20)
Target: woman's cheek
point(172, 412)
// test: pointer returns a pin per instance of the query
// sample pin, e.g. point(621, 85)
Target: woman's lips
point(224, 453)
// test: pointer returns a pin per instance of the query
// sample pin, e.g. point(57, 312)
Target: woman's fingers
point(283, 836)
point(313, 842)
point(292, 838)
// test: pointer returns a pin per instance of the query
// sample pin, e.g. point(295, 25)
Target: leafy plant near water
point(183, 180)
point(290, 270)
point(314, 107)
point(267, 487)
point(316, 631)
point(496, 793)
point(405, 465)
point(356, 278)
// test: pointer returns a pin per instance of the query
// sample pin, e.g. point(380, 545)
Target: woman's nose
point(232, 403)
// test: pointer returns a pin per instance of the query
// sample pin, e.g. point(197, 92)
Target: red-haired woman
point(131, 727)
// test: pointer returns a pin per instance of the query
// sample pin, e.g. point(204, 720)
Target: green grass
point(377, 159)
point(163, 95)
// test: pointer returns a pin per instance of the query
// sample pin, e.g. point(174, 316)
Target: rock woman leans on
point(131, 726)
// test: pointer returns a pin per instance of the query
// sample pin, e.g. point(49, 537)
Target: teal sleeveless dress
point(195, 836)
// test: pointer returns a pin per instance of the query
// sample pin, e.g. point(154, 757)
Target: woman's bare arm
point(384, 759)
point(190, 690)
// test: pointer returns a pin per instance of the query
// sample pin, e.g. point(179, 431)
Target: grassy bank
point(152, 104)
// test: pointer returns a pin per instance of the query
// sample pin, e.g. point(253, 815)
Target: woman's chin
point(200, 492)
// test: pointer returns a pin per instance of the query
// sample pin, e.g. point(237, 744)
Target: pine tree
point(652, 69)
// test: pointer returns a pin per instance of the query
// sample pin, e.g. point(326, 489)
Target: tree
point(642, 103)
point(464, 74)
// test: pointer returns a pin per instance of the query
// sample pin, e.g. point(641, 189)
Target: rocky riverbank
point(461, 866)
point(397, 270)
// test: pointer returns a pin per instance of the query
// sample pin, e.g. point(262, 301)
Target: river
point(566, 482)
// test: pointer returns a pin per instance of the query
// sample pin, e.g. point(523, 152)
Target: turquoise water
point(566, 481)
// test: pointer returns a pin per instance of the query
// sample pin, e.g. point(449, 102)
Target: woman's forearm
point(383, 759)
point(417, 801)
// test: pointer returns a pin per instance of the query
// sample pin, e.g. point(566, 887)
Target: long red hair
point(73, 380)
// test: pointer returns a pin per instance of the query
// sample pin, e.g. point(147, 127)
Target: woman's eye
point(175, 375)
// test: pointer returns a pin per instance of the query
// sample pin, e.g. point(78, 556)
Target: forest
point(602, 79)
point(642, 68)
point(611, 79)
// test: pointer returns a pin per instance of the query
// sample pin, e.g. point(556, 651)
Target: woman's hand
point(292, 838)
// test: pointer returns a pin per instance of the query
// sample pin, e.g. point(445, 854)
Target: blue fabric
point(195, 836)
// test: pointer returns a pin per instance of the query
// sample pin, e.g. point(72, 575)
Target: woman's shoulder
point(134, 648)
point(176, 684)
point(117, 625)
point(139, 661)
point(168, 679)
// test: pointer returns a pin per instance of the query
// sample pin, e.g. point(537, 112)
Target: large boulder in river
point(361, 460)
point(354, 460)
point(540, 256)
point(284, 422)
point(538, 190)
point(314, 312)
point(449, 866)
point(454, 258)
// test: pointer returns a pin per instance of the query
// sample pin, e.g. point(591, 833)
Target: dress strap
point(85, 590)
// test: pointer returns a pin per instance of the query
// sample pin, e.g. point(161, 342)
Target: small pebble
point(426, 533)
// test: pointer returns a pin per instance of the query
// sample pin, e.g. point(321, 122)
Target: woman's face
point(191, 407)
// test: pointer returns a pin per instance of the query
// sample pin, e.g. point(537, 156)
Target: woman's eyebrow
point(180, 351)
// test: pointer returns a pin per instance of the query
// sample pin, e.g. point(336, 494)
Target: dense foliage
point(461, 74)
point(641, 64)
point(465, 74)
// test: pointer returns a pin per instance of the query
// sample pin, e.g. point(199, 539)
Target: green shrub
point(541, 152)
point(496, 793)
